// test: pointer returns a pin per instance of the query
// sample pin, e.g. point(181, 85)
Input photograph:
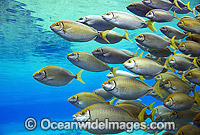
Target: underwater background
point(27, 44)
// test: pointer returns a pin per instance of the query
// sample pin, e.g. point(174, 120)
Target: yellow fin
point(183, 77)
point(196, 63)
point(193, 11)
point(103, 35)
point(188, 6)
point(141, 54)
point(157, 88)
point(141, 78)
point(151, 106)
point(113, 70)
point(78, 76)
point(112, 101)
point(127, 38)
point(153, 113)
point(173, 42)
point(197, 97)
point(151, 26)
point(135, 54)
point(141, 115)
point(176, 16)
point(127, 32)
point(176, 3)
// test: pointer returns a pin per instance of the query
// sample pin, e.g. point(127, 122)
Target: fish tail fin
point(78, 76)
point(196, 62)
point(197, 97)
point(176, 4)
point(127, 38)
point(153, 114)
point(112, 101)
point(183, 77)
point(141, 78)
point(193, 11)
point(176, 16)
point(173, 42)
point(141, 115)
point(103, 35)
point(135, 54)
point(156, 87)
point(113, 70)
point(188, 6)
point(150, 107)
point(151, 26)
point(127, 32)
point(141, 54)
point(174, 52)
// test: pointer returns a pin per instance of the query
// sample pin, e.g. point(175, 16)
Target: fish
point(159, 15)
point(193, 76)
point(126, 88)
point(165, 52)
point(189, 24)
point(138, 8)
point(185, 8)
point(122, 73)
point(56, 76)
point(165, 76)
point(188, 130)
point(152, 41)
point(126, 20)
point(190, 48)
point(144, 66)
point(160, 110)
point(170, 32)
point(183, 116)
point(96, 22)
point(197, 7)
point(180, 63)
point(132, 102)
point(132, 109)
point(85, 99)
point(176, 85)
point(112, 37)
point(102, 112)
point(111, 55)
point(163, 94)
point(179, 101)
point(176, 127)
point(163, 117)
point(75, 32)
point(196, 120)
point(88, 62)
point(193, 37)
point(104, 94)
point(160, 4)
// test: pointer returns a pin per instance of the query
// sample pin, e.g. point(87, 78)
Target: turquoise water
point(27, 44)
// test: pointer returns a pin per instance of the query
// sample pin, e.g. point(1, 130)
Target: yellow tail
point(141, 115)
point(151, 26)
point(176, 3)
point(127, 38)
point(78, 76)
point(113, 70)
point(103, 35)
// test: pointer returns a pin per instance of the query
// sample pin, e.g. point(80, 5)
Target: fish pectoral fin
point(106, 54)
point(67, 30)
point(51, 78)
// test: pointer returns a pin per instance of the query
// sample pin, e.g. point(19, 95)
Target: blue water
point(27, 44)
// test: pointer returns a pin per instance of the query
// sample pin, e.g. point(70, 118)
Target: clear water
point(27, 44)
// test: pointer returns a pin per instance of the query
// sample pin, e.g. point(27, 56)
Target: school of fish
point(173, 61)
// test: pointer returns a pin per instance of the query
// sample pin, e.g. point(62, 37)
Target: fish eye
point(57, 24)
point(108, 13)
point(39, 73)
point(81, 18)
point(129, 61)
point(82, 113)
point(109, 82)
